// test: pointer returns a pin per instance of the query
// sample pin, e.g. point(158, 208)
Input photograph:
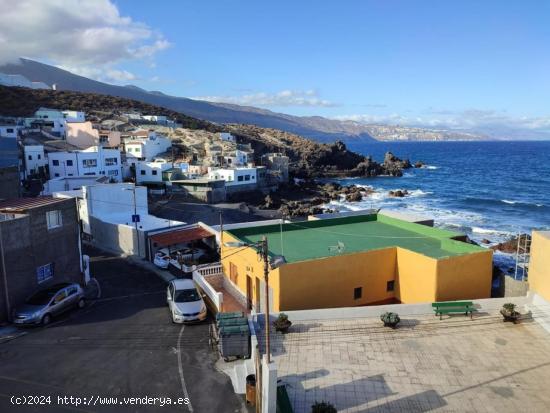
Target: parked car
point(47, 303)
point(161, 260)
point(185, 302)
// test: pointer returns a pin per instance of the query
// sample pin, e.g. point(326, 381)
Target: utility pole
point(266, 279)
point(136, 219)
point(5, 277)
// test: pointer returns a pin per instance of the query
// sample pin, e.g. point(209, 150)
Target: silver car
point(185, 302)
point(43, 305)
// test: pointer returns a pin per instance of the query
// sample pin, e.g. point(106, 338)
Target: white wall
point(235, 176)
point(150, 171)
point(93, 161)
point(74, 116)
point(34, 158)
point(8, 131)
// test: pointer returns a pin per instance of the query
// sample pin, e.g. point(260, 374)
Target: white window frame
point(44, 272)
point(54, 219)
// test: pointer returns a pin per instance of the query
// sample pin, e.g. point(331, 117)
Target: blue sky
point(458, 64)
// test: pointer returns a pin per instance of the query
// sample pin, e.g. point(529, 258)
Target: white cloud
point(89, 35)
point(488, 121)
point(279, 99)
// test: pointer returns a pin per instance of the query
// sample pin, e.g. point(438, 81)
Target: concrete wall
point(330, 282)
point(416, 277)
point(465, 276)
point(117, 238)
point(9, 182)
point(539, 267)
point(82, 134)
point(28, 244)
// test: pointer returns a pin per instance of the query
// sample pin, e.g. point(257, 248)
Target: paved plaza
point(452, 365)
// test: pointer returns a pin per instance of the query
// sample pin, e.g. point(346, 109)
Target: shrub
point(323, 407)
point(509, 307)
point(390, 318)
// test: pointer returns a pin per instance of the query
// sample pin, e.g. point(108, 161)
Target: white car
point(161, 260)
point(185, 302)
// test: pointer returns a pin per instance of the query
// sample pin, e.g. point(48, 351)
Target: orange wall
point(330, 282)
point(539, 266)
point(416, 277)
point(465, 276)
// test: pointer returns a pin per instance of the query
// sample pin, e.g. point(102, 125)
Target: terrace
point(312, 239)
point(346, 357)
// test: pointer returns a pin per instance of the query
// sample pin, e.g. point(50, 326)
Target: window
point(240, 178)
point(39, 157)
point(110, 161)
point(30, 157)
point(233, 273)
point(53, 219)
point(103, 139)
point(44, 272)
point(69, 163)
point(143, 172)
point(247, 177)
point(89, 163)
point(69, 174)
point(390, 285)
point(357, 293)
point(9, 130)
point(154, 171)
point(56, 175)
point(112, 173)
point(55, 162)
point(253, 177)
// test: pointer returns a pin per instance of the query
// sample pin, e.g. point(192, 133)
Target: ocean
point(487, 190)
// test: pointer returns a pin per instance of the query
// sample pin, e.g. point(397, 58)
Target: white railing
point(215, 296)
point(210, 269)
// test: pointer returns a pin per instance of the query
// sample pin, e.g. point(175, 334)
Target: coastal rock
point(394, 166)
point(400, 193)
point(354, 196)
point(510, 246)
point(485, 241)
point(419, 164)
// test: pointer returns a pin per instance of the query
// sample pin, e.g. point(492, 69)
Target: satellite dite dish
point(339, 248)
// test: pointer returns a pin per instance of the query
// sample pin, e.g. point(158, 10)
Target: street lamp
point(274, 263)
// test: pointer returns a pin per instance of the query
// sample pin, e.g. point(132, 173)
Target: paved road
point(122, 345)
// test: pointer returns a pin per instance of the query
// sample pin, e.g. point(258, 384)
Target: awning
point(180, 236)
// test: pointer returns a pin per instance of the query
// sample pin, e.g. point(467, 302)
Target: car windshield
point(186, 296)
point(41, 297)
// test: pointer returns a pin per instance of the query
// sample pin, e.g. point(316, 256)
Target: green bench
point(453, 307)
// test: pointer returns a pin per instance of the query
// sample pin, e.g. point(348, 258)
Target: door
point(59, 302)
point(258, 294)
point(248, 292)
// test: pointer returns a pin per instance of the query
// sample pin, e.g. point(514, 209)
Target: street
point(122, 345)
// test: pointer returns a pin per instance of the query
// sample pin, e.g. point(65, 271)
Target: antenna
point(339, 248)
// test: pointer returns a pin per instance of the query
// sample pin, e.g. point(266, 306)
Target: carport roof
point(179, 236)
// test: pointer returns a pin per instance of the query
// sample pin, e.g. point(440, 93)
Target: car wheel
point(46, 319)
point(81, 303)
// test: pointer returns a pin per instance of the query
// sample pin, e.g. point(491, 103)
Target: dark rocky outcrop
point(399, 193)
point(419, 164)
point(511, 246)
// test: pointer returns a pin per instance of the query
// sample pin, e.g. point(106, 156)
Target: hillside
point(308, 158)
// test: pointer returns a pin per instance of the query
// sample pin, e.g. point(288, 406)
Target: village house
point(236, 179)
point(144, 148)
point(92, 161)
point(40, 246)
point(34, 160)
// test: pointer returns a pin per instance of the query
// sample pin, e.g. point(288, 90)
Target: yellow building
point(354, 261)
point(539, 266)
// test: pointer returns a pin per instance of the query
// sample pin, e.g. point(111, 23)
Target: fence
point(210, 269)
point(215, 297)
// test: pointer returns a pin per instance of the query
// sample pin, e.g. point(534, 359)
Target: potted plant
point(282, 323)
point(390, 319)
point(509, 312)
point(323, 407)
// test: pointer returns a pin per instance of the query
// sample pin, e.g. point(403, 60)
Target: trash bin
point(237, 321)
point(236, 314)
point(251, 389)
point(234, 341)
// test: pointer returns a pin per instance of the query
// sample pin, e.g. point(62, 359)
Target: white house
point(227, 137)
point(145, 149)
point(92, 161)
point(151, 171)
point(111, 214)
point(71, 183)
point(8, 131)
point(34, 159)
point(238, 158)
point(235, 176)
point(74, 116)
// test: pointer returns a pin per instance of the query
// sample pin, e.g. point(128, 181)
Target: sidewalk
point(8, 333)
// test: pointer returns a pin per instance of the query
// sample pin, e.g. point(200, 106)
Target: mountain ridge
point(317, 128)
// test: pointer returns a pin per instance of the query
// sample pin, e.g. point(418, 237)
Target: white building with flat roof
point(94, 161)
point(151, 171)
point(145, 149)
point(34, 159)
point(8, 131)
point(235, 176)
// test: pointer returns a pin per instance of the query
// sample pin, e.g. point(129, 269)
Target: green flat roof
point(309, 240)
